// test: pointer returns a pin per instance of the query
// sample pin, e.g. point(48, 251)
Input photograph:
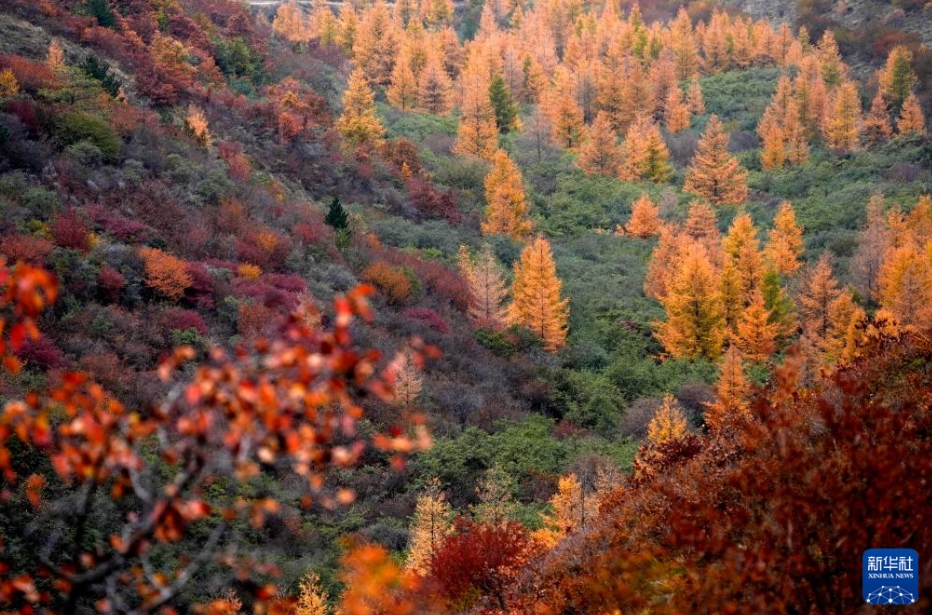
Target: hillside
point(436, 307)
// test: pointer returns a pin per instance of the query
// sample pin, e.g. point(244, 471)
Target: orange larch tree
point(564, 112)
point(668, 423)
point(664, 262)
point(359, 122)
point(644, 154)
point(290, 23)
point(794, 133)
point(716, 174)
point(756, 335)
point(376, 44)
point(402, 93)
point(876, 128)
point(506, 207)
point(675, 111)
point(600, 154)
point(694, 98)
point(842, 126)
point(911, 119)
point(645, 218)
point(487, 288)
point(732, 392)
point(773, 154)
point(873, 242)
point(536, 300)
point(906, 286)
point(742, 249)
point(478, 133)
point(785, 244)
point(819, 290)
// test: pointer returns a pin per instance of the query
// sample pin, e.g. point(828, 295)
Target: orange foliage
point(537, 302)
point(393, 282)
point(645, 219)
point(715, 174)
point(165, 273)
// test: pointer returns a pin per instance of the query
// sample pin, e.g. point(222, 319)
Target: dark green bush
point(74, 127)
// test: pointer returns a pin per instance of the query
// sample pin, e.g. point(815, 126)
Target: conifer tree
point(432, 523)
point(359, 123)
point(403, 91)
point(600, 154)
point(564, 112)
point(312, 599)
point(348, 25)
point(818, 292)
point(572, 509)
point(732, 291)
point(664, 262)
point(336, 215)
point(731, 392)
point(742, 248)
point(644, 155)
point(702, 227)
point(911, 119)
point(694, 98)
point(715, 174)
point(831, 67)
point(897, 78)
point(756, 336)
point(781, 308)
point(487, 287)
point(668, 423)
point(842, 127)
point(876, 128)
point(290, 23)
point(496, 505)
point(694, 325)
point(773, 154)
point(537, 303)
point(506, 111)
point(506, 206)
point(434, 90)
point(794, 133)
point(376, 44)
point(675, 111)
point(873, 242)
point(785, 245)
point(408, 380)
point(645, 218)
point(478, 133)
point(906, 286)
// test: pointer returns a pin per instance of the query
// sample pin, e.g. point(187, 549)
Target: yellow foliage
point(248, 271)
point(506, 206)
point(537, 303)
point(668, 423)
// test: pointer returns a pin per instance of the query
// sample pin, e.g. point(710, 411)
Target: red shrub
point(400, 152)
point(201, 291)
point(429, 316)
point(479, 561)
point(313, 232)
point(70, 230)
point(32, 76)
point(430, 202)
point(440, 281)
point(25, 248)
point(121, 228)
point(25, 111)
point(42, 353)
point(182, 320)
point(232, 153)
point(268, 249)
point(288, 282)
point(110, 282)
point(265, 294)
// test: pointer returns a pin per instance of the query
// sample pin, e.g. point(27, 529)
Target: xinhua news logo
point(890, 576)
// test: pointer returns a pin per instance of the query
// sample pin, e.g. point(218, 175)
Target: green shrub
point(74, 127)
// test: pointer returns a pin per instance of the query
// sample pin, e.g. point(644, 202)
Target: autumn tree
point(487, 287)
point(165, 273)
point(564, 112)
point(819, 290)
point(376, 44)
point(600, 154)
point(694, 324)
point(506, 207)
point(794, 134)
point(359, 122)
point(780, 306)
point(432, 523)
point(732, 392)
point(785, 244)
point(572, 509)
point(664, 262)
point(645, 218)
point(196, 122)
point(694, 99)
point(433, 93)
point(290, 23)
point(477, 134)
point(906, 286)
point(911, 119)
point(897, 78)
point(408, 380)
point(312, 599)
point(773, 153)
point(876, 127)
point(536, 300)
point(495, 492)
point(403, 91)
point(668, 423)
point(55, 58)
point(676, 111)
point(756, 336)
point(9, 86)
point(644, 154)
point(715, 174)
point(742, 249)
point(873, 242)
point(842, 126)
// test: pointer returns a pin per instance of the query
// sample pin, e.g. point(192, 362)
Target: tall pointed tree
point(694, 325)
point(675, 111)
point(645, 218)
point(781, 308)
point(573, 509)
point(731, 392)
point(897, 78)
point(773, 152)
point(496, 505)
point(742, 248)
point(757, 336)
point(794, 133)
point(842, 127)
point(819, 290)
point(478, 133)
point(715, 174)
point(487, 287)
point(506, 111)
point(506, 206)
point(359, 122)
point(432, 523)
point(312, 599)
point(694, 98)
point(290, 23)
point(403, 91)
point(433, 93)
point(668, 423)
point(600, 154)
point(873, 242)
point(906, 286)
point(564, 112)
point(876, 128)
point(537, 303)
point(644, 154)
point(785, 245)
point(911, 119)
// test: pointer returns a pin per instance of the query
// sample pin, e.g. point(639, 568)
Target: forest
point(490, 307)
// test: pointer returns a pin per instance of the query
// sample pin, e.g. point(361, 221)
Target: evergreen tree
point(506, 111)
point(337, 216)
point(911, 119)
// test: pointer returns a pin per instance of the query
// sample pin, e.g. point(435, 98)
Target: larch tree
point(695, 319)
point(897, 78)
point(906, 286)
point(694, 98)
point(773, 140)
point(600, 154)
point(312, 599)
point(644, 154)
point(402, 93)
point(785, 244)
point(477, 134)
point(376, 44)
point(359, 122)
point(675, 111)
point(756, 336)
point(572, 509)
point(290, 23)
point(842, 126)
point(487, 287)
point(432, 523)
point(781, 307)
point(702, 227)
point(55, 58)
point(911, 120)
point(668, 424)
point(566, 116)
point(794, 133)
point(495, 492)
point(819, 290)
point(433, 94)
point(876, 127)
point(506, 209)
point(664, 262)
point(645, 218)
point(536, 300)
point(732, 291)
point(348, 22)
point(873, 242)
point(408, 380)
point(715, 174)
point(742, 248)
point(732, 392)
point(831, 66)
